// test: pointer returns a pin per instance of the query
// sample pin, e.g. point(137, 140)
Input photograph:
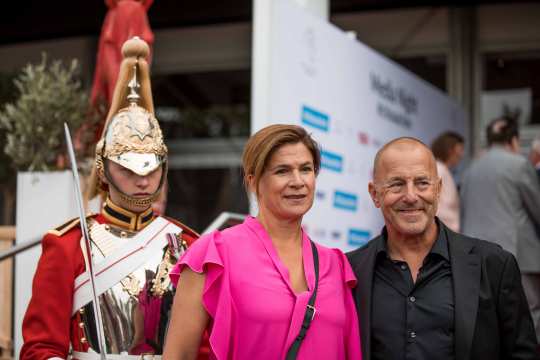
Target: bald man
point(424, 291)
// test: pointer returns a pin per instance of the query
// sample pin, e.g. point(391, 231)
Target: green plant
point(49, 95)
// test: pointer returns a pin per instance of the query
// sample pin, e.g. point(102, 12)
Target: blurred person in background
point(500, 197)
point(448, 149)
point(534, 154)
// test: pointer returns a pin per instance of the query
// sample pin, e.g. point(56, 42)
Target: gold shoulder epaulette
point(67, 226)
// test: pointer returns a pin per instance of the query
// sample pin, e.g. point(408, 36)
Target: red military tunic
point(48, 325)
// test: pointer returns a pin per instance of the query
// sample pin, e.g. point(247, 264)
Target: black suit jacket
point(492, 318)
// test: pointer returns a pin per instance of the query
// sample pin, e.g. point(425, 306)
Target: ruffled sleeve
point(346, 270)
point(206, 255)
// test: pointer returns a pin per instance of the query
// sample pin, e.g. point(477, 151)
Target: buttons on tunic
point(412, 334)
point(412, 299)
point(403, 267)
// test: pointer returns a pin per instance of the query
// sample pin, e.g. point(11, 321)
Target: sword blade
point(86, 236)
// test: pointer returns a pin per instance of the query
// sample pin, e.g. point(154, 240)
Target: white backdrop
point(44, 201)
point(351, 99)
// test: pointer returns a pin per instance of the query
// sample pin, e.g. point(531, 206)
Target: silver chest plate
point(135, 311)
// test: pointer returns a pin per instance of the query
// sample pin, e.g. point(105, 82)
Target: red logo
point(363, 138)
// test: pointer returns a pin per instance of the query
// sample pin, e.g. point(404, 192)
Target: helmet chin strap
point(140, 202)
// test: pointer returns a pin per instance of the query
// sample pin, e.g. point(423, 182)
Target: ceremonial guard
point(132, 250)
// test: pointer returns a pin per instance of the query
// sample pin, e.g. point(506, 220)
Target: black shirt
point(413, 320)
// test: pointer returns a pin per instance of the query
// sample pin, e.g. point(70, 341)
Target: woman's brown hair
point(444, 143)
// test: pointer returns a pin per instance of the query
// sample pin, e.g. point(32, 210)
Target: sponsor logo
point(363, 138)
point(331, 161)
point(345, 201)
point(320, 195)
point(335, 235)
point(393, 116)
point(315, 119)
point(358, 237)
point(319, 233)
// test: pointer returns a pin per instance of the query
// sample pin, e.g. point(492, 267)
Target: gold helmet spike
point(132, 137)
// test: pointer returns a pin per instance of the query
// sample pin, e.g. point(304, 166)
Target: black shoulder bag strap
point(310, 309)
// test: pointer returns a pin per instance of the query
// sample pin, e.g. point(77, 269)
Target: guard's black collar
point(126, 219)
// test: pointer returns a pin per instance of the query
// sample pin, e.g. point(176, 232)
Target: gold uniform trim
point(126, 219)
point(67, 226)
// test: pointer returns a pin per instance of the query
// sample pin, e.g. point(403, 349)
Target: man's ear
point(372, 189)
point(439, 187)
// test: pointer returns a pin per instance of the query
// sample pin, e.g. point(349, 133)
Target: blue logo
point(320, 195)
point(345, 201)
point(358, 237)
point(331, 161)
point(315, 119)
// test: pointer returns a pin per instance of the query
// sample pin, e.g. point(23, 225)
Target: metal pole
point(14, 250)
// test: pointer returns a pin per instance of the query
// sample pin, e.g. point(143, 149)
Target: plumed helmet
point(132, 137)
